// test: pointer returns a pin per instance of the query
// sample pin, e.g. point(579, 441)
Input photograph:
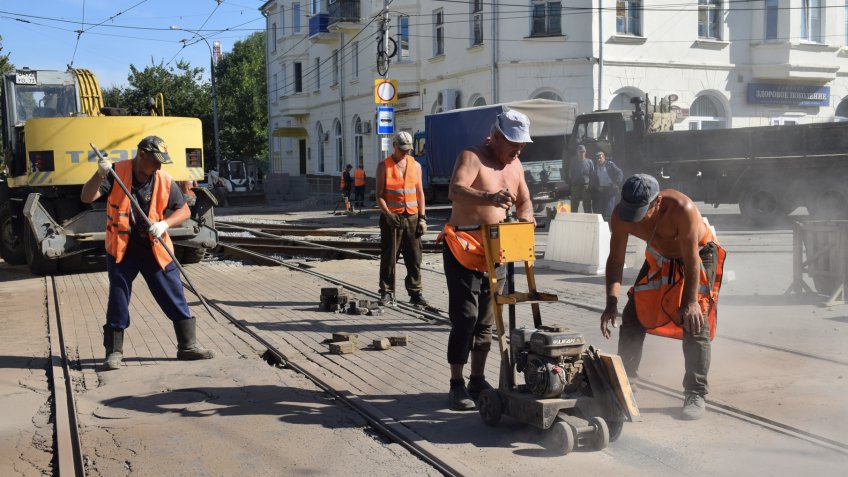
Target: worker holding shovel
point(138, 244)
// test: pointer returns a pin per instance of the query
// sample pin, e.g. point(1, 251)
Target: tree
point(242, 100)
point(184, 92)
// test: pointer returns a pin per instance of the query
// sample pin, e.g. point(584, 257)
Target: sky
point(42, 34)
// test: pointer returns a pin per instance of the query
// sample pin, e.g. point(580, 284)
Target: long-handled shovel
point(159, 240)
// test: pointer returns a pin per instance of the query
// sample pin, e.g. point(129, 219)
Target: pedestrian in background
point(487, 180)
point(581, 172)
point(676, 291)
point(131, 248)
point(359, 186)
point(346, 184)
point(400, 196)
point(606, 180)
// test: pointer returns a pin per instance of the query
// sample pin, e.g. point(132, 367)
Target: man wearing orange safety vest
point(400, 196)
point(359, 186)
point(346, 184)
point(676, 291)
point(131, 248)
point(487, 181)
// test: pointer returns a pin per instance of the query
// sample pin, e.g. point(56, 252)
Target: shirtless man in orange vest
point(677, 288)
point(487, 180)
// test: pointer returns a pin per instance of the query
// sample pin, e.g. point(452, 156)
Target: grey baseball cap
point(403, 140)
point(637, 193)
point(581, 148)
point(514, 126)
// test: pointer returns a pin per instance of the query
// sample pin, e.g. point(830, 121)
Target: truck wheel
point(187, 255)
point(11, 245)
point(831, 201)
point(761, 206)
point(563, 437)
point(38, 263)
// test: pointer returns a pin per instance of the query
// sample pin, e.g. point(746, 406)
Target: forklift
point(581, 394)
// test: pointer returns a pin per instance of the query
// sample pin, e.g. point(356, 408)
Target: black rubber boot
point(187, 347)
point(458, 397)
point(113, 341)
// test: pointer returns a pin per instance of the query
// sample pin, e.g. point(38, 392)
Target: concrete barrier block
point(577, 243)
point(343, 347)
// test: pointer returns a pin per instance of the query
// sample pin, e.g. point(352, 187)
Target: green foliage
point(242, 100)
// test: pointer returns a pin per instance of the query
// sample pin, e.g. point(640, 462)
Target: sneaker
point(418, 300)
point(387, 299)
point(476, 386)
point(694, 407)
point(458, 397)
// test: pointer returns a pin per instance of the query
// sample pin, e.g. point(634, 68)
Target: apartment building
point(729, 63)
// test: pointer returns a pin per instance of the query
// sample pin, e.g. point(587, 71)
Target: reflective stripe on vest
point(658, 294)
point(359, 178)
point(118, 214)
point(400, 192)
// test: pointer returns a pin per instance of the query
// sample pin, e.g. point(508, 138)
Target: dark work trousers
point(603, 201)
point(359, 196)
point(165, 285)
point(696, 348)
point(581, 193)
point(469, 308)
point(396, 241)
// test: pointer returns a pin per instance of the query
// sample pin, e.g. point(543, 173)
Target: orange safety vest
point(359, 177)
point(467, 247)
point(118, 214)
point(659, 293)
point(399, 192)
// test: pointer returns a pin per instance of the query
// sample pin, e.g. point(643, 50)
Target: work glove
point(103, 167)
point(422, 227)
point(394, 220)
point(158, 228)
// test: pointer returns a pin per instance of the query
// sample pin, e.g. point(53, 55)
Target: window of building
point(707, 113)
point(272, 91)
point(403, 38)
point(438, 32)
point(477, 100)
point(314, 7)
point(546, 18)
point(621, 101)
point(283, 88)
point(317, 72)
point(295, 17)
point(273, 37)
point(476, 22)
point(709, 19)
point(355, 59)
point(842, 109)
point(628, 17)
point(548, 95)
point(770, 32)
point(358, 142)
point(783, 121)
point(335, 59)
point(811, 20)
point(319, 146)
point(337, 130)
point(282, 21)
point(298, 77)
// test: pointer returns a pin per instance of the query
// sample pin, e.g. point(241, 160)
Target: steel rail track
point(68, 448)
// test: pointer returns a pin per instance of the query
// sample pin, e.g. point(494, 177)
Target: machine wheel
point(615, 428)
point(761, 206)
point(830, 201)
point(187, 255)
point(11, 245)
point(601, 439)
point(38, 263)
point(490, 406)
point(563, 436)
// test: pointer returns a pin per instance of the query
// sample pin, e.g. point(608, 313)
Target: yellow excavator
point(49, 118)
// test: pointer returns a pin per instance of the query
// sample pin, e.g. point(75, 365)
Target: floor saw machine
point(582, 395)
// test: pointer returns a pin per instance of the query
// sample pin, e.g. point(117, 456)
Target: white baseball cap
point(514, 126)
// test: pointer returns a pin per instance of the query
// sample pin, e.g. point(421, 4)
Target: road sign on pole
point(385, 91)
point(385, 120)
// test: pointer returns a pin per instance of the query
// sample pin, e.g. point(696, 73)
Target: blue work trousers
point(165, 285)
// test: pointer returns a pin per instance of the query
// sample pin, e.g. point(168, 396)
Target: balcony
point(295, 104)
point(344, 15)
point(318, 32)
point(785, 60)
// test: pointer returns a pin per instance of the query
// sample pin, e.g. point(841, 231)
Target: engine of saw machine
point(550, 359)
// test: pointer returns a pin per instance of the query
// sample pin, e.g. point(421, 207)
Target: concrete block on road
point(343, 347)
point(382, 344)
point(577, 243)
